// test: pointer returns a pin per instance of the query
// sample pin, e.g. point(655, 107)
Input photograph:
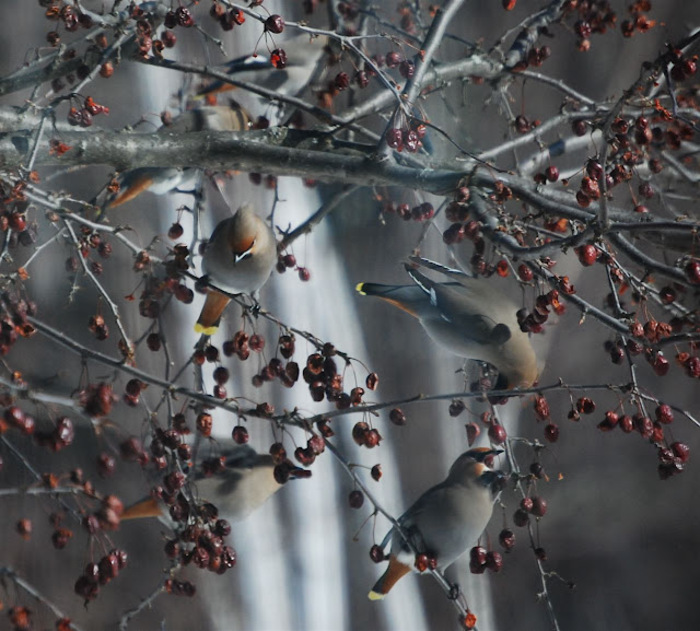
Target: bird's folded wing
point(456, 307)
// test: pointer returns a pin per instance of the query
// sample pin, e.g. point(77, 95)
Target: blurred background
point(625, 538)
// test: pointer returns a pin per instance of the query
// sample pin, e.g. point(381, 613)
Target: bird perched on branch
point(162, 180)
point(238, 259)
point(243, 483)
point(445, 521)
point(467, 316)
point(286, 70)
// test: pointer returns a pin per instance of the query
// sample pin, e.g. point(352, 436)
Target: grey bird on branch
point(445, 521)
point(467, 316)
point(238, 259)
point(243, 481)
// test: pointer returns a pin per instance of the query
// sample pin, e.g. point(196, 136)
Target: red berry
point(274, 24)
point(376, 553)
point(539, 506)
point(525, 273)
point(664, 414)
point(551, 432)
point(551, 173)
point(497, 434)
point(520, 518)
point(356, 499)
point(397, 416)
point(507, 539)
point(240, 435)
point(587, 254)
point(680, 451)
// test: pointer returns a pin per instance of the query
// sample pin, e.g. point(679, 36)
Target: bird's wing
point(456, 306)
point(437, 267)
point(421, 511)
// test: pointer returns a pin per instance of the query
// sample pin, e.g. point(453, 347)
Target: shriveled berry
point(494, 561)
point(376, 553)
point(240, 435)
point(507, 539)
point(473, 431)
point(551, 432)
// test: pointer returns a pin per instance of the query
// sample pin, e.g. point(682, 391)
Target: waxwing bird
point(467, 316)
point(445, 521)
point(288, 78)
point(162, 180)
point(244, 482)
point(238, 259)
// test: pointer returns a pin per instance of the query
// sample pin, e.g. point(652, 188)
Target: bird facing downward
point(238, 259)
point(468, 316)
point(243, 484)
point(445, 521)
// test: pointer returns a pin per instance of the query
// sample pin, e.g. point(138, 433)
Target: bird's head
point(475, 466)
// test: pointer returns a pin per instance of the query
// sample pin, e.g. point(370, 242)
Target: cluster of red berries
point(366, 436)
point(227, 18)
point(89, 241)
point(97, 399)
point(61, 434)
point(14, 206)
point(98, 574)
point(289, 261)
point(639, 21)
point(421, 212)
point(14, 323)
point(682, 66)
point(589, 17)
point(71, 17)
point(203, 546)
point(496, 432)
point(481, 560)
point(408, 137)
point(83, 116)
point(178, 17)
point(533, 321)
point(324, 381)
point(532, 505)
point(306, 456)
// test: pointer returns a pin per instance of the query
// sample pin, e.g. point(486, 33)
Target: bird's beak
point(497, 480)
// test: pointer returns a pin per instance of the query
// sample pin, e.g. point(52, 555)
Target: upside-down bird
point(467, 316)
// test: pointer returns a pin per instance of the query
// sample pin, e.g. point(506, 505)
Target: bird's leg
point(255, 307)
point(454, 591)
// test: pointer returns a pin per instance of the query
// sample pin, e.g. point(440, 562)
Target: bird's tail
point(394, 572)
point(209, 318)
point(408, 298)
point(148, 507)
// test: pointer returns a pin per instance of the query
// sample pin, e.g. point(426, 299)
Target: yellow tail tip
point(375, 595)
point(205, 330)
point(359, 288)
